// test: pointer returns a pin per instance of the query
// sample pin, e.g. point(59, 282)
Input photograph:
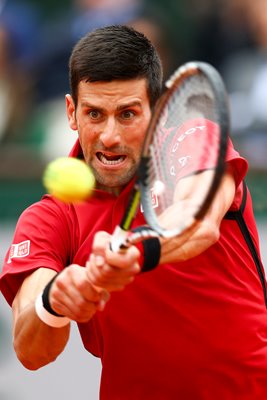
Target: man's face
point(111, 119)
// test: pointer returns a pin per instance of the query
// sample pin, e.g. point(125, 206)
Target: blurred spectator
point(19, 44)
point(245, 74)
point(34, 50)
point(219, 28)
point(83, 16)
point(246, 71)
point(232, 36)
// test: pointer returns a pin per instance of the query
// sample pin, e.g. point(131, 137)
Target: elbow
point(214, 235)
point(33, 360)
point(30, 365)
point(210, 234)
point(33, 364)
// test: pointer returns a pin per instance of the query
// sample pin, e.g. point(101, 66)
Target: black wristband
point(45, 298)
point(151, 248)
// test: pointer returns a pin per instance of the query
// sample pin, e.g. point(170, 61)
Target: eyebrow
point(136, 103)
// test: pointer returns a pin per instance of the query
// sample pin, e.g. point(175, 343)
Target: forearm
point(194, 242)
point(37, 344)
point(204, 233)
point(71, 294)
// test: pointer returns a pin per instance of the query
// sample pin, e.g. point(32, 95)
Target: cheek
point(87, 131)
point(137, 144)
point(142, 129)
point(88, 138)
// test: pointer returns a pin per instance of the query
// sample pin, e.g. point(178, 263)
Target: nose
point(110, 135)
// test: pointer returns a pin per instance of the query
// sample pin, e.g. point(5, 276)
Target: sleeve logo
point(19, 250)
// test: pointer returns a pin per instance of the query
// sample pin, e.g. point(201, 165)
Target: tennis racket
point(183, 156)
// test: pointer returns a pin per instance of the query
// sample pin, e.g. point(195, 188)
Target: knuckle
point(84, 313)
point(80, 305)
point(82, 285)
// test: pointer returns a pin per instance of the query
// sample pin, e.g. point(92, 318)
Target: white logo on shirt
point(183, 161)
point(19, 250)
point(177, 144)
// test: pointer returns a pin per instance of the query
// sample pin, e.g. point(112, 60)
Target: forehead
point(114, 92)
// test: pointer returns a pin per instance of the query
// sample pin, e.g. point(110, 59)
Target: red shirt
point(190, 330)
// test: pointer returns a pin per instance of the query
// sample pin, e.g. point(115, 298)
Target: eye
point(127, 114)
point(94, 114)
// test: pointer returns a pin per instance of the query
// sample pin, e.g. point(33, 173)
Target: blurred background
point(36, 39)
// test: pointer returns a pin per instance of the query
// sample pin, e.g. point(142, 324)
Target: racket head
point(187, 138)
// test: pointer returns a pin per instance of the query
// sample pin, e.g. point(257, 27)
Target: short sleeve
point(35, 245)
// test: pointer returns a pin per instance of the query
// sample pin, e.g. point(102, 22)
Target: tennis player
point(195, 327)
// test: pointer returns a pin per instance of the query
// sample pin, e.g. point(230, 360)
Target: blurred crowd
point(232, 35)
point(35, 44)
point(36, 39)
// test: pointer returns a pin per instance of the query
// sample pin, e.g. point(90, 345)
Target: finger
point(97, 272)
point(104, 255)
point(127, 259)
point(110, 277)
point(100, 243)
point(74, 296)
point(74, 281)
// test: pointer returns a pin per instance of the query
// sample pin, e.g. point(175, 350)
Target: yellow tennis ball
point(69, 179)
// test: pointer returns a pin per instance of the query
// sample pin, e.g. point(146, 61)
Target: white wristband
point(46, 317)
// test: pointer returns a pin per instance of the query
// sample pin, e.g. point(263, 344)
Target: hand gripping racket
point(183, 156)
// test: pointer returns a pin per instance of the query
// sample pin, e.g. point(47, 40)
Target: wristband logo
point(19, 250)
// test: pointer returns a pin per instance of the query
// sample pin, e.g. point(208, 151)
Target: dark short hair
point(115, 52)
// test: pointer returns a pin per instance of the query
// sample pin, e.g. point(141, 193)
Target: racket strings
point(180, 145)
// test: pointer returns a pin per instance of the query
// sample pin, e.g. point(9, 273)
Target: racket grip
point(118, 240)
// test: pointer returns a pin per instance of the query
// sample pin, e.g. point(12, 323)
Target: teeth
point(110, 161)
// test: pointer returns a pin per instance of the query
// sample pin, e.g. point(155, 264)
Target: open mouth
point(110, 159)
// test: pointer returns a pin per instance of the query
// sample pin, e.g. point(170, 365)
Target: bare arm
point(205, 233)
point(35, 343)
point(73, 295)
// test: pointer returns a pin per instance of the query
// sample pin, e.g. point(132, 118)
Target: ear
point(70, 108)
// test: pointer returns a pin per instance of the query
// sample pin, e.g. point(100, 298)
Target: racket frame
point(122, 236)
point(220, 99)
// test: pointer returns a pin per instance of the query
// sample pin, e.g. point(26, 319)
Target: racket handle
point(118, 240)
